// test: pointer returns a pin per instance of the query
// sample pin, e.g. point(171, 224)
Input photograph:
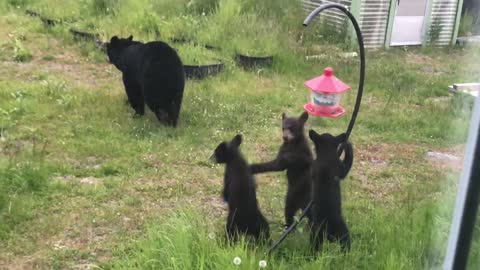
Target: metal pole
point(468, 197)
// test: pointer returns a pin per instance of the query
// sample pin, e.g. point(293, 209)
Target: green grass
point(84, 182)
point(186, 240)
point(196, 54)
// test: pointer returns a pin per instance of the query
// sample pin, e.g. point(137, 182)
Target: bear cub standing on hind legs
point(296, 157)
point(152, 74)
point(239, 192)
point(327, 171)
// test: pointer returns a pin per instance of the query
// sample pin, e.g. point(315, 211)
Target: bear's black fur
point(239, 192)
point(152, 74)
point(326, 215)
point(296, 157)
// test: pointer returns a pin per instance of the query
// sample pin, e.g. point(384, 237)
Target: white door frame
point(424, 30)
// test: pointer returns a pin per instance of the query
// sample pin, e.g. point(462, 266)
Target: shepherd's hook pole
point(357, 102)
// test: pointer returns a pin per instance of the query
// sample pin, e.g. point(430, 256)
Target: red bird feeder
point(327, 92)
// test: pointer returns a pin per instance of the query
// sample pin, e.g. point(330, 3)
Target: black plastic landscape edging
point(249, 62)
point(202, 71)
point(80, 35)
point(191, 71)
point(46, 21)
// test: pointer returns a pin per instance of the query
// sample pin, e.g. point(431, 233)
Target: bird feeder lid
point(327, 83)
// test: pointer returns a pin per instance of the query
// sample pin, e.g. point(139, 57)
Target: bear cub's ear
point(220, 153)
point(303, 118)
point(237, 140)
point(313, 135)
point(114, 40)
point(130, 38)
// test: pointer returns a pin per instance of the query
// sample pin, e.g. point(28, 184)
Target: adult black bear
point(328, 169)
point(296, 157)
point(239, 192)
point(152, 74)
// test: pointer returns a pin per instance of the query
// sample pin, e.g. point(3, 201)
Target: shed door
point(408, 22)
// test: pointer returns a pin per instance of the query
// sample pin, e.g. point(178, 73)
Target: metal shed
point(386, 23)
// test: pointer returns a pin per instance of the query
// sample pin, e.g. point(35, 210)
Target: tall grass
point(20, 184)
point(185, 240)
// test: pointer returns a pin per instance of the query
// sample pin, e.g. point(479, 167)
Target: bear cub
point(296, 157)
point(244, 217)
point(327, 170)
point(152, 74)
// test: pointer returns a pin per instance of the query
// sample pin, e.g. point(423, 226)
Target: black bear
point(244, 217)
point(152, 74)
point(327, 170)
point(296, 157)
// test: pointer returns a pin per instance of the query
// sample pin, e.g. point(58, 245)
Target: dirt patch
point(428, 65)
point(86, 75)
point(82, 180)
point(34, 261)
point(384, 169)
point(450, 159)
point(379, 171)
point(413, 58)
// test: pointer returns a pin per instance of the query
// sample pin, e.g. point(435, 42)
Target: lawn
point(86, 185)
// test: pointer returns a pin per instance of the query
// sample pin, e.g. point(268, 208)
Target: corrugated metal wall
point(444, 13)
point(373, 22)
point(373, 18)
point(374, 14)
point(334, 16)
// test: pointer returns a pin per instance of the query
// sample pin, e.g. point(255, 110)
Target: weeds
point(20, 53)
point(185, 240)
point(435, 29)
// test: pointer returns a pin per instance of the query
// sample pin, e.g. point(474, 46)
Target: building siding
point(374, 21)
point(374, 14)
point(443, 15)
